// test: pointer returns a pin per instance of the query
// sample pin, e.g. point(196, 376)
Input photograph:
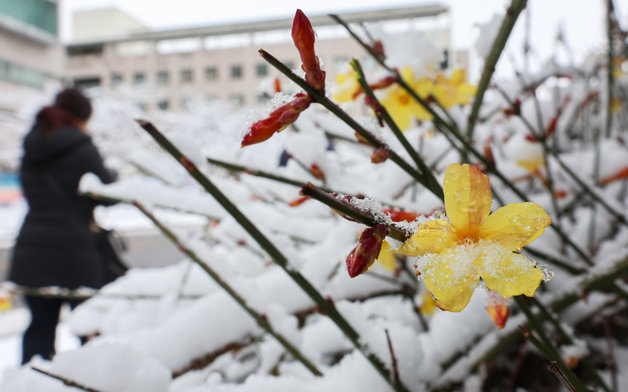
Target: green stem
point(610, 14)
point(437, 118)
point(589, 191)
point(326, 306)
point(554, 260)
point(260, 319)
point(513, 12)
point(259, 173)
point(568, 338)
point(341, 114)
point(64, 380)
point(352, 212)
point(549, 350)
point(429, 181)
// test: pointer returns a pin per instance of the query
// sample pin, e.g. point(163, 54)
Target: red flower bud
point(278, 120)
point(488, 154)
point(317, 172)
point(380, 155)
point(364, 255)
point(620, 175)
point(560, 193)
point(277, 85)
point(303, 36)
point(361, 139)
point(398, 216)
point(498, 309)
point(378, 50)
point(299, 201)
point(552, 126)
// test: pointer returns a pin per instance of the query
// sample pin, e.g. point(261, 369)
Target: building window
point(139, 78)
point(187, 76)
point(262, 98)
point(164, 104)
point(236, 99)
point(86, 82)
point(236, 71)
point(116, 80)
point(163, 77)
point(211, 73)
point(261, 69)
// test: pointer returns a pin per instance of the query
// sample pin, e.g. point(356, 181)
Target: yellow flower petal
point(464, 93)
point(433, 236)
point(387, 257)
point(450, 279)
point(423, 87)
point(458, 76)
point(445, 95)
point(467, 198)
point(511, 274)
point(515, 225)
point(428, 304)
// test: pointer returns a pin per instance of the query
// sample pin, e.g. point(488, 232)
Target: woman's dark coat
point(55, 246)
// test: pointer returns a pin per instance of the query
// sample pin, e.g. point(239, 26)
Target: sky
point(582, 21)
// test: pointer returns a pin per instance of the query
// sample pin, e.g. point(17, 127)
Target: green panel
point(19, 74)
point(41, 14)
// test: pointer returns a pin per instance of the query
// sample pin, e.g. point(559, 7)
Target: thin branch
point(342, 115)
point(393, 358)
point(561, 377)
point(429, 181)
point(352, 211)
point(261, 320)
point(326, 306)
point(513, 12)
point(64, 380)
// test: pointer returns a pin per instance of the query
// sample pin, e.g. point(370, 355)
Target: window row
point(187, 75)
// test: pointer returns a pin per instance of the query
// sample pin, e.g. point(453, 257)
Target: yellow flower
point(453, 91)
point(387, 257)
point(346, 86)
point(456, 253)
point(401, 106)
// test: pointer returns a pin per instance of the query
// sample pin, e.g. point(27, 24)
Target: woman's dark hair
point(70, 108)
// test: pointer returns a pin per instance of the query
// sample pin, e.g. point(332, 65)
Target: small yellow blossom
point(453, 91)
point(401, 106)
point(5, 303)
point(529, 155)
point(455, 254)
point(346, 87)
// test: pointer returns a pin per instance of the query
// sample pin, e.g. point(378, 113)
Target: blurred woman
point(55, 246)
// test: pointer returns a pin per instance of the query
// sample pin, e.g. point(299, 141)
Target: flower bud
point(365, 254)
point(303, 36)
point(317, 172)
point(277, 121)
point(498, 309)
point(297, 202)
point(378, 50)
point(380, 155)
point(399, 216)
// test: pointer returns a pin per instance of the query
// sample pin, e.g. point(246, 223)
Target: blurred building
point(31, 54)
point(218, 61)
